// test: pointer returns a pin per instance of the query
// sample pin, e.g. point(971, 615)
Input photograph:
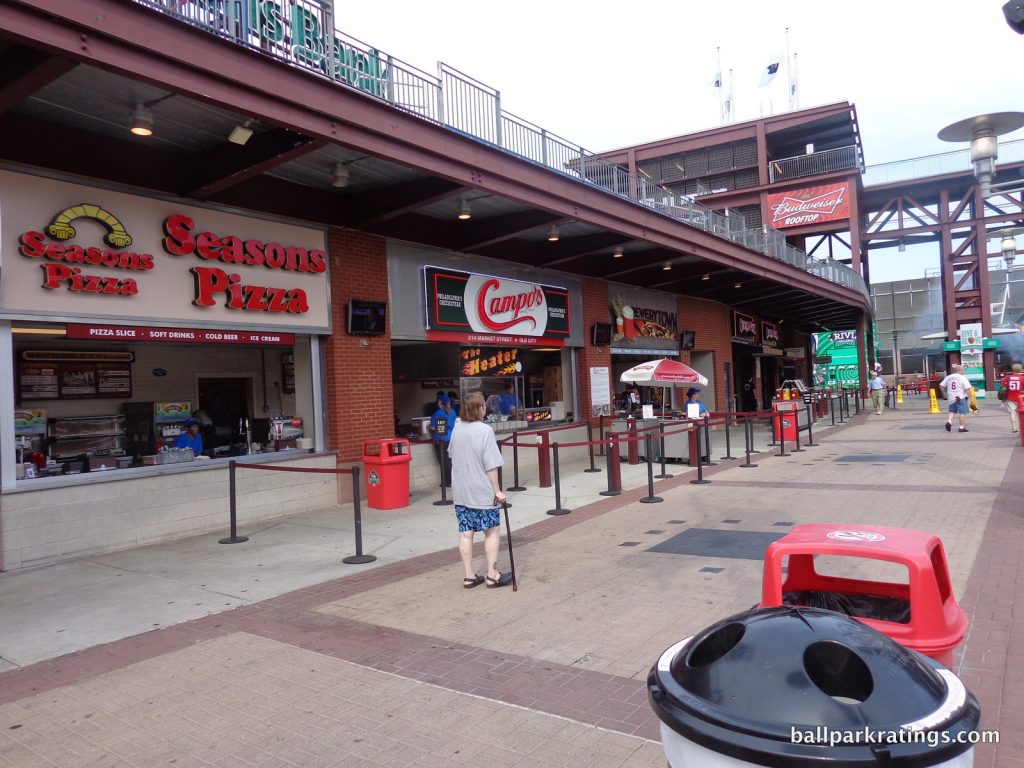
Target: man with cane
point(476, 492)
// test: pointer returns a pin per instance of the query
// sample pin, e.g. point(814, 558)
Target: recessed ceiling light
point(706, 276)
point(553, 234)
point(737, 285)
point(465, 212)
point(667, 267)
point(141, 123)
point(617, 254)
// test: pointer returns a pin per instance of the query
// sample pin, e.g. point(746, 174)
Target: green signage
point(836, 363)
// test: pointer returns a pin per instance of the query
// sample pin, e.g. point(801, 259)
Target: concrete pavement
point(272, 652)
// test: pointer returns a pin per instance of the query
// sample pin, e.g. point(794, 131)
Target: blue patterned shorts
point(472, 519)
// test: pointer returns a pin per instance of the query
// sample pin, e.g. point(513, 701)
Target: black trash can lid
point(746, 685)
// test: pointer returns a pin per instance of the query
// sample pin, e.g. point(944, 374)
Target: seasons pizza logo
point(65, 264)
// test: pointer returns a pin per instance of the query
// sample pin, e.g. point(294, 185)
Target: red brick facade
point(595, 310)
point(714, 334)
point(360, 404)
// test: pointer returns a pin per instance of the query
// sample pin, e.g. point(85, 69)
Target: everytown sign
point(485, 309)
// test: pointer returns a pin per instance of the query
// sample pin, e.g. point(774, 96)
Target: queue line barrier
point(357, 559)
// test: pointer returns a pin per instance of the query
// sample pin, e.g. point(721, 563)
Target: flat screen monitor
point(366, 318)
point(601, 334)
point(687, 339)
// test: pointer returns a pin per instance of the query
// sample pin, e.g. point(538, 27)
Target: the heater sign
point(811, 205)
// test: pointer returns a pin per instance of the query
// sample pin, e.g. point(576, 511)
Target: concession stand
point(122, 316)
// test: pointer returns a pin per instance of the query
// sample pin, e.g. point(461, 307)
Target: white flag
point(769, 71)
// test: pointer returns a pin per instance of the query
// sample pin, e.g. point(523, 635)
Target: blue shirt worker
point(441, 425)
point(510, 402)
point(693, 398)
point(190, 438)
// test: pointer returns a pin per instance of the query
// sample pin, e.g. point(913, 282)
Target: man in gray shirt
point(475, 490)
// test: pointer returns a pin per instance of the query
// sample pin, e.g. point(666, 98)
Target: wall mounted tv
point(601, 334)
point(366, 318)
point(687, 339)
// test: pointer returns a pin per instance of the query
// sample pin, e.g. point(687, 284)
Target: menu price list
point(74, 381)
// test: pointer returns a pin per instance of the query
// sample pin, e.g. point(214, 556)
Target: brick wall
point(360, 404)
point(714, 334)
point(595, 310)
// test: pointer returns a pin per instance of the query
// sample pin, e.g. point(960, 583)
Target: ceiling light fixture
point(340, 178)
point(553, 234)
point(706, 276)
point(737, 285)
point(465, 212)
point(241, 133)
point(617, 253)
point(667, 267)
point(141, 123)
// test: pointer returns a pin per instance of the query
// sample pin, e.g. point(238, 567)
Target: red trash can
point(386, 465)
point(921, 613)
point(786, 412)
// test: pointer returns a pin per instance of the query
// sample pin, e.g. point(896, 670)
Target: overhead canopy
point(663, 372)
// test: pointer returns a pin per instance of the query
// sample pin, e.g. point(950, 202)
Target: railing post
point(728, 419)
point(632, 447)
point(700, 464)
point(782, 435)
point(748, 435)
point(234, 538)
point(558, 510)
point(515, 464)
point(661, 438)
point(650, 498)
point(810, 426)
point(544, 460)
point(614, 470)
point(590, 448)
point(357, 510)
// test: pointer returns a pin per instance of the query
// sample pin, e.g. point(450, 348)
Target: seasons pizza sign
point(465, 306)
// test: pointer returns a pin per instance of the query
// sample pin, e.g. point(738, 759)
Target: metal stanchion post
point(748, 436)
point(590, 448)
point(444, 501)
point(515, 464)
point(357, 511)
point(705, 429)
point(234, 538)
point(810, 426)
point(600, 427)
point(796, 431)
point(728, 419)
point(832, 408)
point(650, 498)
point(782, 436)
point(661, 438)
point(700, 464)
point(558, 487)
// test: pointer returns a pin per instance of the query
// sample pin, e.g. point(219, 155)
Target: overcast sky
point(611, 76)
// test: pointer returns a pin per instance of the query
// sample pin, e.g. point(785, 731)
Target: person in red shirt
point(1013, 383)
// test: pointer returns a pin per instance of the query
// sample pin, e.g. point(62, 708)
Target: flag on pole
point(770, 70)
point(729, 103)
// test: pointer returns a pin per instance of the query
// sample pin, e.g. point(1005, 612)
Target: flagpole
point(721, 85)
point(789, 71)
point(732, 100)
point(794, 89)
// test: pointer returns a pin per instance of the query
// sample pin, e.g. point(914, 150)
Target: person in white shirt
point(475, 461)
point(957, 390)
point(877, 388)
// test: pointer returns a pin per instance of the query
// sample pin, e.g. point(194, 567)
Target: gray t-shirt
point(473, 450)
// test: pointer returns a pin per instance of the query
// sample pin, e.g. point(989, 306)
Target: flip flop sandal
point(476, 581)
point(503, 580)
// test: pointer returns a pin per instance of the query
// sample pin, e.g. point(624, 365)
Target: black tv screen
point(687, 339)
point(366, 318)
point(601, 334)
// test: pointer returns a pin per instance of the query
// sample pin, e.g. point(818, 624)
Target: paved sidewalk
point(396, 664)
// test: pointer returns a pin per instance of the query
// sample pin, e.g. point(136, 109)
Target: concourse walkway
point(274, 652)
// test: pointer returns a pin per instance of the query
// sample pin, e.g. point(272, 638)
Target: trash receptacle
point(387, 473)
point(807, 688)
point(920, 613)
point(786, 414)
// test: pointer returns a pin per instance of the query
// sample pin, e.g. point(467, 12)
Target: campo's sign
point(485, 309)
point(810, 205)
point(74, 251)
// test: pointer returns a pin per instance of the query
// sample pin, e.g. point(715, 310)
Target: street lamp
point(983, 132)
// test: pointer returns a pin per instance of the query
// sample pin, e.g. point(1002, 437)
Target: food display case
point(503, 396)
point(76, 436)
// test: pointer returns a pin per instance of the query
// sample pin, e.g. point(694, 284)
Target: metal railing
point(936, 165)
point(839, 159)
point(301, 33)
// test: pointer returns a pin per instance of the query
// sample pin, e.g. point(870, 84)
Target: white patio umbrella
point(665, 373)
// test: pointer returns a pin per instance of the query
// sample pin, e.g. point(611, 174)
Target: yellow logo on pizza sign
point(60, 228)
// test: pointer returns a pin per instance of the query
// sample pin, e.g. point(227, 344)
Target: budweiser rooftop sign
point(810, 205)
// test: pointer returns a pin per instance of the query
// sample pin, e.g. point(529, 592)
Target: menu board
point(37, 382)
point(74, 381)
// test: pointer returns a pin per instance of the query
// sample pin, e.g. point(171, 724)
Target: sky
point(609, 77)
